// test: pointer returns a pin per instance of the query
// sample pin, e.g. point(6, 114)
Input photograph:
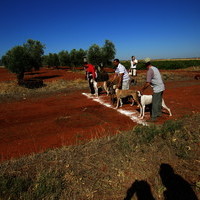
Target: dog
point(125, 93)
point(108, 87)
point(146, 100)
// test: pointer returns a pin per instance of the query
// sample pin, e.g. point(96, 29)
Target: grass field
point(167, 64)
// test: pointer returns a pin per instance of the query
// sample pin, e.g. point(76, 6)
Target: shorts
point(125, 85)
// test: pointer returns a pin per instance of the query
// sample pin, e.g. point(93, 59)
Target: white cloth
point(122, 70)
point(134, 63)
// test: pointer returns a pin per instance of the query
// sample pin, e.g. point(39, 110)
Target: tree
point(36, 50)
point(73, 58)
point(17, 60)
point(95, 55)
point(64, 58)
point(108, 52)
point(80, 55)
point(45, 59)
point(21, 59)
point(52, 60)
point(56, 61)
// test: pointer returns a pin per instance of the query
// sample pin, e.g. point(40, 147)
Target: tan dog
point(108, 87)
point(125, 93)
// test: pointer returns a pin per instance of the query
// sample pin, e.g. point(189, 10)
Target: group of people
point(153, 79)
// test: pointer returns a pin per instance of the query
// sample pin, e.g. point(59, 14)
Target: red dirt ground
point(36, 124)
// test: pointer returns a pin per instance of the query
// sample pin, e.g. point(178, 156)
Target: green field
point(169, 64)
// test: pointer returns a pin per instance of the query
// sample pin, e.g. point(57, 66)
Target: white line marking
point(131, 114)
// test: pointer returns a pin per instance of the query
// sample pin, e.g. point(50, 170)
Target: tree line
point(30, 55)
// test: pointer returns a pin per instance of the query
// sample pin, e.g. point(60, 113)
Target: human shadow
point(176, 187)
point(142, 190)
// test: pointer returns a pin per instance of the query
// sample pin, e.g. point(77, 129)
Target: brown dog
point(125, 93)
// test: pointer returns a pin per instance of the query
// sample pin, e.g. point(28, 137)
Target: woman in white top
point(134, 62)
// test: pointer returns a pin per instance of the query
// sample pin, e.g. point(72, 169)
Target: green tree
point(64, 58)
point(56, 61)
point(80, 54)
point(95, 54)
point(17, 60)
point(52, 60)
point(36, 49)
point(45, 59)
point(108, 52)
point(98, 55)
point(21, 59)
point(73, 58)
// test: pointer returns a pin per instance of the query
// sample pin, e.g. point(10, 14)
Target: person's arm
point(150, 75)
point(115, 76)
point(146, 85)
point(119, 84)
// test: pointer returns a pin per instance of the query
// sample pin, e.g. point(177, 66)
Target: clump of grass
point(146, 134)
point(12, 90)
point(105, 168)
point(170, 127)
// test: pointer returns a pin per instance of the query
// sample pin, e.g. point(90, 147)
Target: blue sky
point(155, 29)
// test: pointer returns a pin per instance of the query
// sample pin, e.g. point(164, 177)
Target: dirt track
point(36, 124)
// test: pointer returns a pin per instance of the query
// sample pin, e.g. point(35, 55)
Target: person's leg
point(155, 104)
point(134, 72)
point(91, 85)
point(160, 105)
point(125, 85)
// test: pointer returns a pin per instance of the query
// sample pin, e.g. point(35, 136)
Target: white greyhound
point(146, 100)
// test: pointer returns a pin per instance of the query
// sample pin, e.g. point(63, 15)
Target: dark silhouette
point(141, 189)
point(34, 73)
point(46, 77)
point(176, 187)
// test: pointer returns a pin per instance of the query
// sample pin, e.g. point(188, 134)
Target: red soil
point(36, 124)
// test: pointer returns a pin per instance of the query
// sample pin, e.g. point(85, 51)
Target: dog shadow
point(141, 189)
point(177, 188)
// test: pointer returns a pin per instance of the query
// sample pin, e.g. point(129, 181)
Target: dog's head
point(139, 93)
point(111, 89)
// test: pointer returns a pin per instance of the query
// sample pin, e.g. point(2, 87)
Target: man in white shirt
point(134, 62)
point(122, 74)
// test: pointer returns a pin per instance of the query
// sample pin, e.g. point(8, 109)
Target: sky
point(142, 28)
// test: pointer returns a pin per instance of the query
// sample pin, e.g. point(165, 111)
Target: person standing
point(91, 76)
point(122, 74)
point(154, 79)
point(134, 62)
